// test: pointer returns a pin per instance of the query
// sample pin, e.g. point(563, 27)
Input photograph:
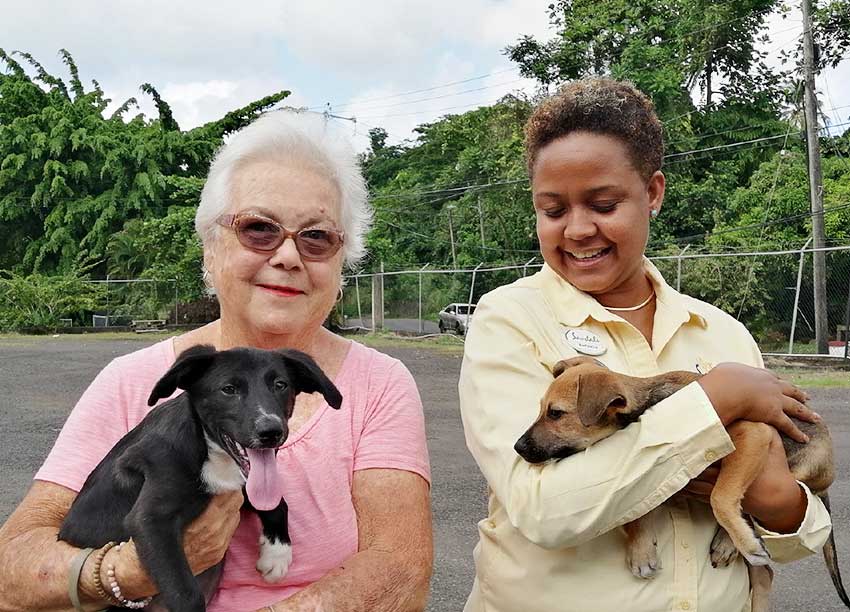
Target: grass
point(806, 377)
point(445, 343)
point(95, 336)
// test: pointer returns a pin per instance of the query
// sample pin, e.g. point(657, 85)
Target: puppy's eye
point(554, 414)
point(228, 390)
point(279, 385)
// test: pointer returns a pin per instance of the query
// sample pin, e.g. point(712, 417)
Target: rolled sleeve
point(807, 540)
point(618, 479)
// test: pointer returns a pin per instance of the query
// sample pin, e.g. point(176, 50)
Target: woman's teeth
point(587, 254)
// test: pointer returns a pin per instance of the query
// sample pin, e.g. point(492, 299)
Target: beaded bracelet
point(135, 604)
point(98, 585)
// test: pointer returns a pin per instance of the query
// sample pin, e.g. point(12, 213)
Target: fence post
point(357, 293)
point(471, 289)
point(421, 325)
point(679, 266)
point(378, 300)
point(176, 319)
point(525, 267)
point(846, 325)
point(797, 297)
point(107, 301)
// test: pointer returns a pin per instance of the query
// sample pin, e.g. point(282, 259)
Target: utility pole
point(449, 208)
point(815, 183)
point(481, 221)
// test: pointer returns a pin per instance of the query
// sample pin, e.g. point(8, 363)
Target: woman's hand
point(775, 499)
point(740, 392)
point(205, 541)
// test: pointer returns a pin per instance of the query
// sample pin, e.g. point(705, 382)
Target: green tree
point(70, 178)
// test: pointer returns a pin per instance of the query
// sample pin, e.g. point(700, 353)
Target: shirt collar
point(573, 307)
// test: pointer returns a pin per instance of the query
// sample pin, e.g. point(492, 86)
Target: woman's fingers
point(784, 424)
point(207, 537)
point(794, 391)
point(795, 408)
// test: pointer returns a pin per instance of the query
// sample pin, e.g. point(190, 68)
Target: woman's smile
point(280, 290)
point(587, 258)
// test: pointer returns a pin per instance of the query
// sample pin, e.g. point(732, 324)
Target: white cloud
point(388, 37)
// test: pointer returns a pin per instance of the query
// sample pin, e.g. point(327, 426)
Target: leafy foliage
point(37, 301)
point(71, 178)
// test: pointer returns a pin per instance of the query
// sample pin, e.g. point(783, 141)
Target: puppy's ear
point(559, 368)
point(566, 364)
point(597, 395)
point(190, 364)
point(308, 377)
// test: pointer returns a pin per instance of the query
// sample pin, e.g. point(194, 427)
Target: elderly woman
point(283, 208)
point(551, 541)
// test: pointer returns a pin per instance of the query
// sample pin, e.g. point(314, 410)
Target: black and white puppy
point(220, 435)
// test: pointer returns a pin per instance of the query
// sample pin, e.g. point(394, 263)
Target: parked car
point(455, 318)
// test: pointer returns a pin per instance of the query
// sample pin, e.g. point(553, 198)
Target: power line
point(741, 228)
point(576, 64)
point(440, 241)
point(435, 110)
point(416, 91)
point(449, 95)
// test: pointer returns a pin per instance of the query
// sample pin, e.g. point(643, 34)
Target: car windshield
point(463, 309)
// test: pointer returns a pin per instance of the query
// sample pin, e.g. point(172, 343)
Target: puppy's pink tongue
point(264, 486)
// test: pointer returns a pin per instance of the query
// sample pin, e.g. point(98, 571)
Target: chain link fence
point(127, 300)
point(771, 293)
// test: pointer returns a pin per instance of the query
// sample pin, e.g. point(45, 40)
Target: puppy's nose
point(269, 430)
point(523, 446)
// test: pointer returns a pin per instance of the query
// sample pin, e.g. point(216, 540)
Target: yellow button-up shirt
point(550, 540)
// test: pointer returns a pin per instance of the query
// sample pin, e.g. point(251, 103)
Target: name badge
point(585, 342)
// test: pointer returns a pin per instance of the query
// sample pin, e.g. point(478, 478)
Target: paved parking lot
point(41, 378)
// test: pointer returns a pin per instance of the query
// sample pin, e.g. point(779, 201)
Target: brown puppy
point(587, 402)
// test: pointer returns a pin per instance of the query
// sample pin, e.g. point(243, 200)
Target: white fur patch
point(220, 472)
point(274, 560)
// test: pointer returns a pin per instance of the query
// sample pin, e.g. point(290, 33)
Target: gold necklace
point(631, 308)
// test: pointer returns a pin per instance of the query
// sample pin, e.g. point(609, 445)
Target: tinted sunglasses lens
point(259, 234)
point(317, 243)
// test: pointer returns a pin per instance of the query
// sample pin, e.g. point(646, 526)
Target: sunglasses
point(262, 234)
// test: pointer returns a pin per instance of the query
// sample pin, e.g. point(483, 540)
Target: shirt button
point(685, 605)
point(685, 545)
point(491, 524)
point(710, 455)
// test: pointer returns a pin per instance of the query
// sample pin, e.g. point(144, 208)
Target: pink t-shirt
point(380, 425)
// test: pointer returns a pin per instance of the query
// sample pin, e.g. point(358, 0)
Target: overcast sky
point(209, 57)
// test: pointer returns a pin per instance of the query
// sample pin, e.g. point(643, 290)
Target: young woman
point(551, 541)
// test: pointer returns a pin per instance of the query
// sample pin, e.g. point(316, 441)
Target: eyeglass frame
point(231, 221)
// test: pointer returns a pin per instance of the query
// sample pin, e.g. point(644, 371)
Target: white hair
point(291, 136)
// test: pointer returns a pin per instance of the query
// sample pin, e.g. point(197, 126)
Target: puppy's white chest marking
point(220, 472)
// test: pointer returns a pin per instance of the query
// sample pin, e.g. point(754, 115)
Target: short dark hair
point(603, 106)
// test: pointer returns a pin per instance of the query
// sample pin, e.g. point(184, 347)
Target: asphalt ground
point(42, 377)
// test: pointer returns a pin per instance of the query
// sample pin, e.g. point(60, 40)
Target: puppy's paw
point(758, 554)
point(643, 560)
point(275, 559)
point(723, 551)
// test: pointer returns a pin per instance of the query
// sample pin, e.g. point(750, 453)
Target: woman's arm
point(392, 568)
point(34, 565)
